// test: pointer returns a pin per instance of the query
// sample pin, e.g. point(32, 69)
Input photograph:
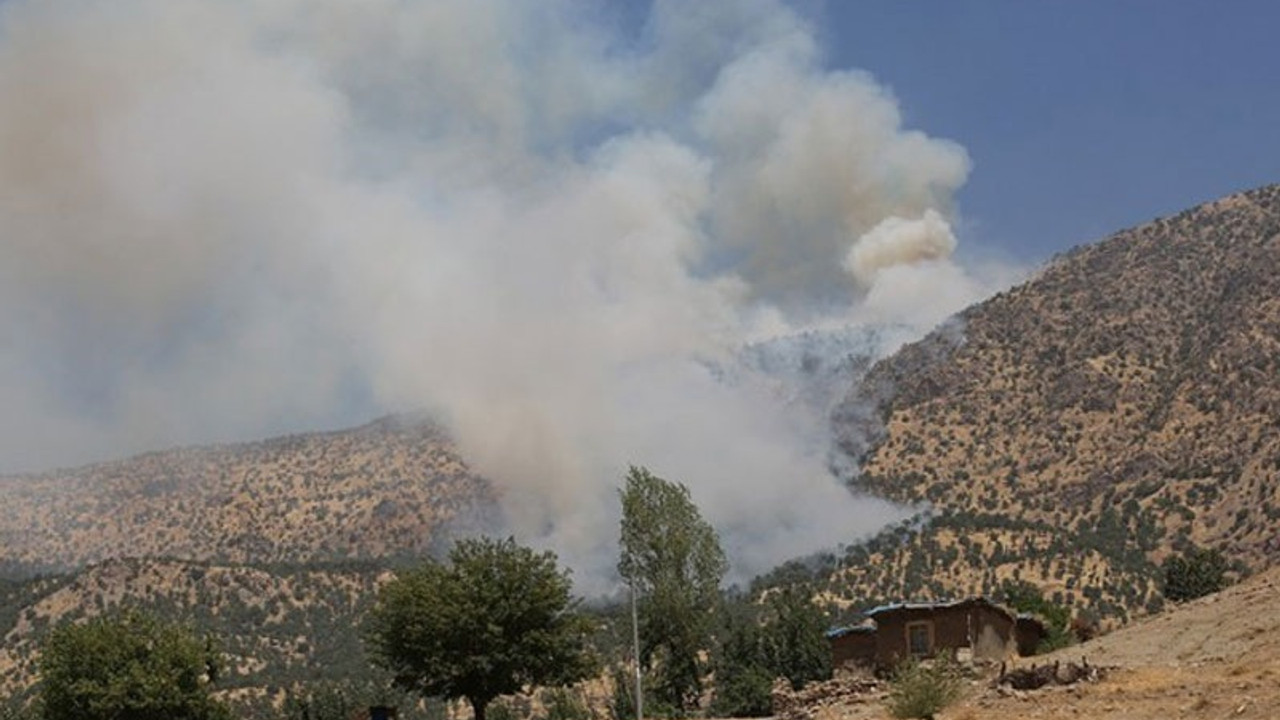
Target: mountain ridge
point(391, 487)
point(1123, 400)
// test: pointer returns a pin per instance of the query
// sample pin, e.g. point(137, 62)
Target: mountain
point(394, 487)
point(1075, 430)
point(276, 547)
point(276, 626)
point(1071, 433)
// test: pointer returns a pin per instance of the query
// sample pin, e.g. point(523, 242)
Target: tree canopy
point(1024, 597)
point(781, 637)
point(1195, 573)
point(672, 557)
point(497, 618)
point(128, 666)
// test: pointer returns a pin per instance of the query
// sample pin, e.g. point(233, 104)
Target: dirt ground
point(1217, 657)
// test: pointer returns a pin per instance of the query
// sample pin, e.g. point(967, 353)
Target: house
point(854, 646)
point(976, 627)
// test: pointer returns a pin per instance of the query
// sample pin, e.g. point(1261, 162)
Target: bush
point(564, 704)
point(1195, 573)
point(920, 691)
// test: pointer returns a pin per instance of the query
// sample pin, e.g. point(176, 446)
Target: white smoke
point(897, 241)
point(225, 218)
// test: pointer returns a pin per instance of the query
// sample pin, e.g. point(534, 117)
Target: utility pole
point(635, 644)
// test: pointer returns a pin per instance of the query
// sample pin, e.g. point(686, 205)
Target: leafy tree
point(744, 678)
point(1195, 573)
point(795, 634)
point(672, 558)
point(1024, 597)
point(499, 617)
point(128, 666)
point(783, 638)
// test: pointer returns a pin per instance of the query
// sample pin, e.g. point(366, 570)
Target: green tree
point(781, 638)
point(497, 618)
point(1024, 597)
point(128, 666)
point(744, 678)
point(672, 558)
point(1195, 573)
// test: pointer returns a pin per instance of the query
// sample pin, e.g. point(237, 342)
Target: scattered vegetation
point(1124, 399)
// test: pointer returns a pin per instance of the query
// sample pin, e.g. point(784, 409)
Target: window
point(920, 638)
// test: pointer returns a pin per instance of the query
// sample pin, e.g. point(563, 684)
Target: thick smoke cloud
point(223, 219)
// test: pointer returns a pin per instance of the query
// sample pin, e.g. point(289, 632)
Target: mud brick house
point(976, 627)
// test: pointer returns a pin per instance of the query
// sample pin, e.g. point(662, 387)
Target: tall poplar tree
point(672, 558)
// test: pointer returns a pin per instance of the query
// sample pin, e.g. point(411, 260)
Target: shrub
point(921, 690)
point(1195, 573)
point(564, 704)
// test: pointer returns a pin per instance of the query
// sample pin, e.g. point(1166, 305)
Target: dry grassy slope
point(1128, 398)
point(276, 627)
point(387, 488)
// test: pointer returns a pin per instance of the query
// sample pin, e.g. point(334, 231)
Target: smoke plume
point(546, 223)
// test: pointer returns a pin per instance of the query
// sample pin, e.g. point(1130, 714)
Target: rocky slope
point(1076, 429)
point(390, 488)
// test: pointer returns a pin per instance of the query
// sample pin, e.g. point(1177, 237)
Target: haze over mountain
point(1070, 432)
point(227, 221)
point(392, 489)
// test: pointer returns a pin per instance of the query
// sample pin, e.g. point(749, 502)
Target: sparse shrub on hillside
point(1195, 573)
point(9, 711)
point(921, 690)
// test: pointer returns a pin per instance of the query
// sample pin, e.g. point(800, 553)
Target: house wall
point(993, 637)
point(854, 648)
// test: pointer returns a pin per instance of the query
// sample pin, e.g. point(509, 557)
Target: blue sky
point(1081, 118)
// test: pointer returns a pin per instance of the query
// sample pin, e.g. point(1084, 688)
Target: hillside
point(390, 488)
point(1076, 429)
point(276, 626)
